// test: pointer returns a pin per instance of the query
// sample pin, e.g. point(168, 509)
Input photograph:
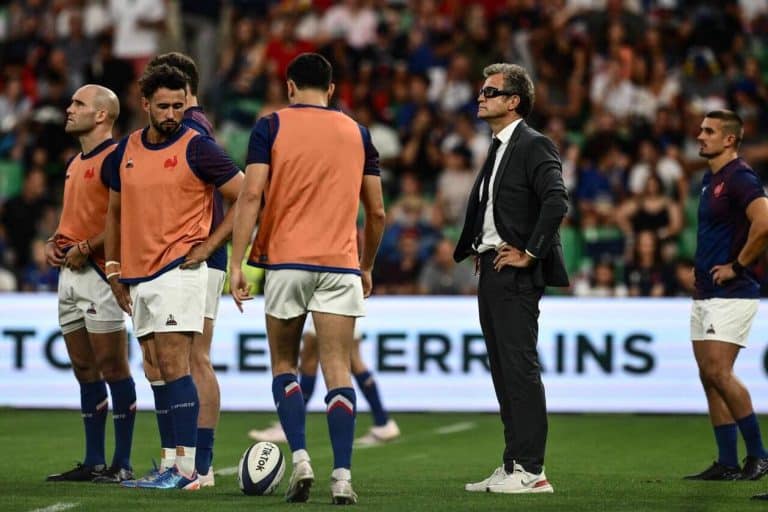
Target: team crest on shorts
point(91, 309)
point(171, 321)
point(711, 329)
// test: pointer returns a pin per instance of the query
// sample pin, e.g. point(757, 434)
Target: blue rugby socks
point(164, 424)
point(184, 407)
point(367, 385)
point(726, 437)
point(94, 406)
point(340, 413)
point(307, 383)
point(123, 415)
point(289, 402)
point(750, 431)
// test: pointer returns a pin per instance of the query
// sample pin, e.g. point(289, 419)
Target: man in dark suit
point(514, 212)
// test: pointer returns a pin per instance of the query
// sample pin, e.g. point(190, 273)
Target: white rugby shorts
point(215, 286)
point(86, 299)
point(289, 293)
point(172, 302)
point(727, 320)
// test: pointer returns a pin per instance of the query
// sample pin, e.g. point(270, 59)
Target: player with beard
point(214, 251)
point(160, 212)
point(732, 235)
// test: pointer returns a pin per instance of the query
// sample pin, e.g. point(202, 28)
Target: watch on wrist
point(737, 267)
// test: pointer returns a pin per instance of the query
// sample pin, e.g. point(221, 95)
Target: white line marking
point(56, 507)
point(456, 427)
point(226, 471)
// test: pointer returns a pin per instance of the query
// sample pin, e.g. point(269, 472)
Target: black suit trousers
point(508, 302)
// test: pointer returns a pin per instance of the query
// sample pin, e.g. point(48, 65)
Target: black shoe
point(80, 473)
point(754, 468)
point(760, 496)
point(717, 471)
point(114, 475)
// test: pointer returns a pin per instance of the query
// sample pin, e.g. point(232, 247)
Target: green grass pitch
point(595, 462)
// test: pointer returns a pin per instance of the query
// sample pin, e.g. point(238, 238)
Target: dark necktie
point(485, 174)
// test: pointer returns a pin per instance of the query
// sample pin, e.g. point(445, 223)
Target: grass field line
point(232, 470)
point(456, 427)
point(453, 428)
point(56, 507)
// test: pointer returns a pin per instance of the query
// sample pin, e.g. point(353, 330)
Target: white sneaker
point(207, 480)
point(520, 481)
point(301, 481)
point(341, 487)
point(274, 434)
point(482, 486)
point(380, 434)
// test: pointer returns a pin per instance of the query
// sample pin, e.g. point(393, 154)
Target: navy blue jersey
point(194, 117)
point(723, 229)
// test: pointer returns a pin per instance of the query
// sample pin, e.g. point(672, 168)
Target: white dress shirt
point(490, 237)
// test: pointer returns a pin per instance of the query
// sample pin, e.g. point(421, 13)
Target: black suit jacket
point(529, 203)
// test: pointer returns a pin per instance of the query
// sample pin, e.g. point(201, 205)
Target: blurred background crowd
point(621, 88)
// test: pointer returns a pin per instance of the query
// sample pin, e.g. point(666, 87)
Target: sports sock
point(340, 413)
point(123, 415)
point(290, 409)
point(750, 431)
point(204, 454)
point(307, 383)
point(726, 438)
point(184, 407)
point(367, 385)
point(164, 424)
point(94, 406)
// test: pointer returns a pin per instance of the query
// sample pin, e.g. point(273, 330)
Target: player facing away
point(313, 165)
point(160, 212)
point(384, 428)
point(732, 234)
point(91, 320)
point(214, 251)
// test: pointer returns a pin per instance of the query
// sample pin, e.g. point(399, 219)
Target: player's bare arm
point(375, 217)
point(53, 254)
point(112, 253)
point(246, 210)
point(201, 252)
point(77, 256)
point(757, 242)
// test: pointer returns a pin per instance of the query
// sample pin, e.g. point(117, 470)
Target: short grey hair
point(516, 79)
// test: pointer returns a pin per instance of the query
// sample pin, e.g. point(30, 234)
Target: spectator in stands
point(651, 211)
point(21, 214)
point(15, 106)
point(137, 26)
point(600, 281)
point(38, 275)
point(399, 273)
point(453, 186)
point(242, 66)
point(441, 275)
point(644, 274)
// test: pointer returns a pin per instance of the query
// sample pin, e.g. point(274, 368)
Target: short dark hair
point(310, 70)
point(162, 76)
point(181, 61)
point(516, 79)
point(732, 123)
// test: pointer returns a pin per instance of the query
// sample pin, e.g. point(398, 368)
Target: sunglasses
point(492, 92)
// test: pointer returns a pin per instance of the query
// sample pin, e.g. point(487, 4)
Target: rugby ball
point(260, 469)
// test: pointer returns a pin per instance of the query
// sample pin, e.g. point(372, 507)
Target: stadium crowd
point(621, 88)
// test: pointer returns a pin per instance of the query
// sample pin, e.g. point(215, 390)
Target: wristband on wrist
point(111, 262)
point(737, 267)
point(112, 274)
